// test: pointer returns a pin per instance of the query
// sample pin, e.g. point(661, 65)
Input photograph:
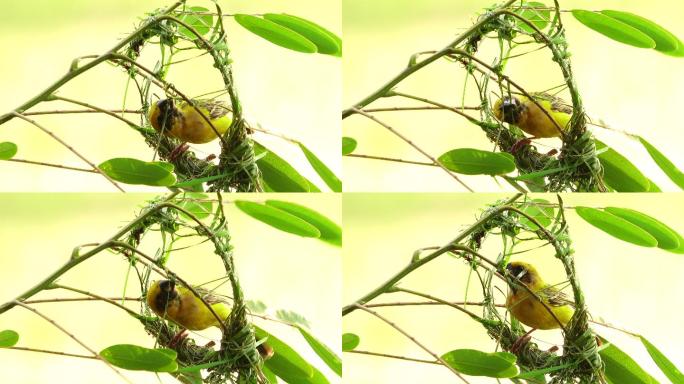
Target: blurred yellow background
point(635, 288)
point(632, 89)
point(39, 231)
point(291, 93)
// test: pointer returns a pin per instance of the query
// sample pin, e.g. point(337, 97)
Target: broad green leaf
point(286, 363)
point(276, 33)
point(664, 163)
point(619, 173)
point(621, 369)
point(679, 52)
point(323, 171)
point(350, 341)
point(665, 41)
point(348, 145)
point(539, 373)
point(539, 17)
point(270, 376)
point(8, 338)
point(616, 226)
point(278, 174)
point(470, 161)
point(278, 218)
point(614, 29)
point(318, 377)
point(133, 171)
point(653, 187)
point(7, 150)
point(135, 358)
point(197, 183)
point(539, 210)
point(292, 317)
point(330, 231)
point(667, 237)
point(670, 370)
point(201, 209)
point(326, 354)
point(680, 249)
point(326, 42)
point(256, 306)
point(477, 363)
point(201, 23)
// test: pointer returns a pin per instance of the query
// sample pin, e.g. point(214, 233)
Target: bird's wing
point(211, 297)
point(216, 108)
point(554, 297)
point(557, 104)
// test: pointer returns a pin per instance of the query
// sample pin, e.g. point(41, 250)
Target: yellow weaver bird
point(181, 120)
point(532, 309)
point(526, 115)
point(180, 305)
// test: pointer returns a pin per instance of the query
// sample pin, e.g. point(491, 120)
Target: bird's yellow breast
point(530, 311)
point(535, 122)
point(188, 125)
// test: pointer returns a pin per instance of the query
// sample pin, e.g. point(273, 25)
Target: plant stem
point(408, 71)
point(415, 264)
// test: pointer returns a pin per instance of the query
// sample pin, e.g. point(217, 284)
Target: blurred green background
point(634, 288)
point(39, 231)
point(295, 94)
point(631, 89)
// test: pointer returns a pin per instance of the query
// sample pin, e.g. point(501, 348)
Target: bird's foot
point(178, 338)
point(210, 344)
point(522, 341)
point(210, 157)
point(520, 144)
point(552, 152)
point(179, 150)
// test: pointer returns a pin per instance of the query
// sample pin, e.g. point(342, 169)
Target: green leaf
point(477, 363)
point(201, 209)
point(470, 161)
point(614, 29)
point(278, 174)
point(8, 338)
point(134, 171)
point(135, 358)
point(350, 341)
point(270, 376)
point(539, 17)
point(616, 226)
point(278, 218)
point(619, 173)
point(188, 184)
point(323, 171)
point(539, 210)
point(7, 150)
point(326, 42)
point(665, 365)
point(256, 306)
point(653, 187)
point(665, 41)
point(664, 163)
point(621, 369)
point(326, 354)
point(292, 317)
point(330, 231)
point(667, 237)
point(201, 23)
point(348, 145)
point(680, 249)
point(276, 33)
point(679, 52)
point(286, 363)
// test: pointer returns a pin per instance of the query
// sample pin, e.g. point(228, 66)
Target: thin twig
point(70, 111)
point(54, 352)
point(53, 165)
point(69, 147)
point(54, 323)
point(413, 339)
point(411, 143)
point(394, 357)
